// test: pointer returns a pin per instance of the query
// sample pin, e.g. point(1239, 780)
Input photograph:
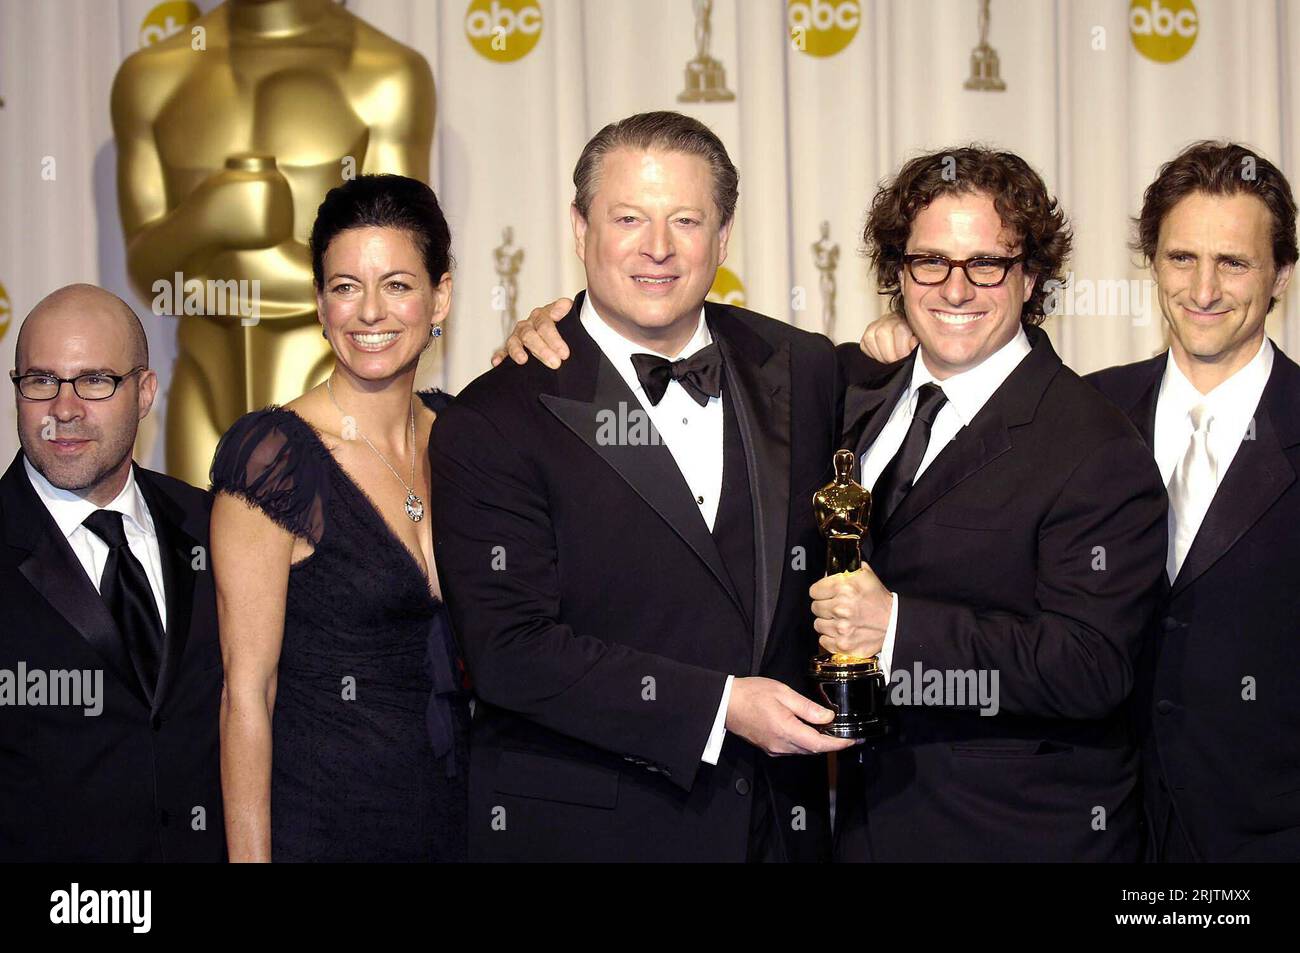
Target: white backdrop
point(812, 135)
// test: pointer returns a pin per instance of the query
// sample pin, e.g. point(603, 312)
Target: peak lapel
point(757, 381)
point(176, 553)
point(867, 406)
point(1258, 475)
point(1143, 412)
point(54, 571)
point(987, 437)
point(592, 400)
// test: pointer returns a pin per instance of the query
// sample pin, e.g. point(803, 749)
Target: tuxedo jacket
point(1219, 707)
point(600, 617)
point(1032, 546)
point(140, 781)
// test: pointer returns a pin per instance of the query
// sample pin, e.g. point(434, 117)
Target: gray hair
point(665, 132)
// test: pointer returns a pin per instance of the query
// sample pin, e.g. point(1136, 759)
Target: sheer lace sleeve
point(271, 459)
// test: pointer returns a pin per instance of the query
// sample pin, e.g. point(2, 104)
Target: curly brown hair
point(1219, 168)
point(1018, 193)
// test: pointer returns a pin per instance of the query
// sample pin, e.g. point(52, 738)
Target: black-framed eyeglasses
point(986, 271)
point(94, 386)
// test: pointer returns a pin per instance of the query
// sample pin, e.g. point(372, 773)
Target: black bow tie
point(700, 374)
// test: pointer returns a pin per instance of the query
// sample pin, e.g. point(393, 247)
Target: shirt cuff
point(886, 655)
point(713, 749)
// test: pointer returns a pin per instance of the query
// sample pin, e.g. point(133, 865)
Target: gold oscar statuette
point(228, 136)
point(826, 256)
point(985, 67)
point(706, 77)
point(509, 259)
point(852, 687)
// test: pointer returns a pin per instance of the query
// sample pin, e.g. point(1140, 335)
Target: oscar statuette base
point(855, 690)
point(706, 82)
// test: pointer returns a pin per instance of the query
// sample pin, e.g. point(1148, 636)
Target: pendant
point(414, 507)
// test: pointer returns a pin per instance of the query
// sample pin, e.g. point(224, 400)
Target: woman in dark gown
point(344, 719)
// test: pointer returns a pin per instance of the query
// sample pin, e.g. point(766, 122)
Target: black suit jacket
point(1220, 700)
point(133, 782)
point(598, 620)
point(1032, 546)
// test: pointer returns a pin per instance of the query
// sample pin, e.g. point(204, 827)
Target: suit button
point(1170, 623)
point(1164, 706)
point(742, 786)
point(155, 722)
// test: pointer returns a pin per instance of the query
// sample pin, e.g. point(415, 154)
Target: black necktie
point(125, 589)
point(700, 374)
point(899, 473)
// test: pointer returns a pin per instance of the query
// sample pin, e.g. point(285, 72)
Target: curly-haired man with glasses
point(1018, 538)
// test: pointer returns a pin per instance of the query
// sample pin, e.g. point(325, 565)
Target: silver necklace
point(414, 505)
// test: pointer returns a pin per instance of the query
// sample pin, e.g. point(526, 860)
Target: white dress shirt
point(692, 434)
point(70, 510)
point(1232, 407)
point(967, 394)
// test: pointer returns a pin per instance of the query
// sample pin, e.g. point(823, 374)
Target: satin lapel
point(867, 408)
point(1259, 474)
point(607, 423)
point(176, 549)
point(1143, 417)
point(54, 571)
point(1143, 413)
point(988, 436)
point(757, 379)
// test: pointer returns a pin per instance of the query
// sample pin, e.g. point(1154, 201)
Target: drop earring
point(435, 332)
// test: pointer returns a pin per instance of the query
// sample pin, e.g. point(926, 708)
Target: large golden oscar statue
point(228, 138)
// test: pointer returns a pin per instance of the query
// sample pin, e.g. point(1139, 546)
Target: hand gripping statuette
point(853, 687)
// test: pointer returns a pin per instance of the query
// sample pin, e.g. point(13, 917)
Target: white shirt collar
point(619, 349)
point(70, 510)
point(1234, 400)
point(970, 390)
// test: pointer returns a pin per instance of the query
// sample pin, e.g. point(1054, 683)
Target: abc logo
point(1162, 30)
point(727, 288)
point(165, 19)
point(822, 27)
point(503, 30)
point(6, 311)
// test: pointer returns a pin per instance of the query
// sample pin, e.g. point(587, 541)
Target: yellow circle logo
point(822, 27)
point(6, 311)
point(727, 288)
point(165, 19)
point(1163, 30)
point(503, 30)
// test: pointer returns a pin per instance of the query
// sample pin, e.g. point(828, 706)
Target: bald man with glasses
point(110, 668)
